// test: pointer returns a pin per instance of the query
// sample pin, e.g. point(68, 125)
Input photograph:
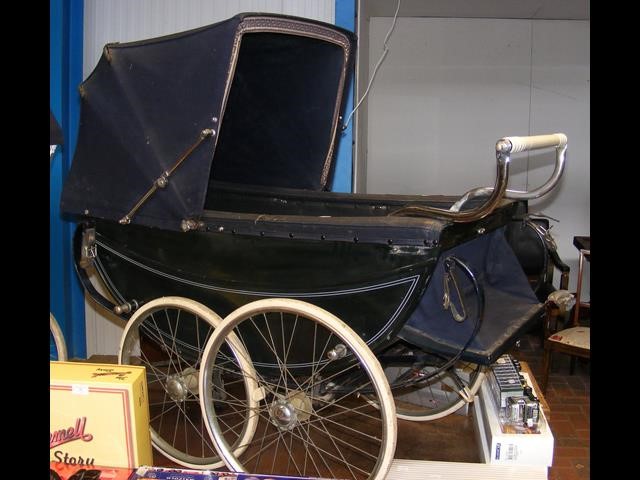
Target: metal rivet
point(188, 224)
point(221, 229)
point(337, 352)
point(481, 230)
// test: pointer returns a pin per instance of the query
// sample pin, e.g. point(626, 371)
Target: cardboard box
point(509, 448)
point(91, 472)
point(163, 473)
point(98, 415)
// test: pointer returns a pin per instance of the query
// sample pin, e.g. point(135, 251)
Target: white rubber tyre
point(175, 331)
point(320, 428)
point(58, 341)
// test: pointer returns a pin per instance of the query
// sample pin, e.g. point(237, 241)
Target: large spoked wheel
point(313, 374)
point(57, 345)
point(168, 336)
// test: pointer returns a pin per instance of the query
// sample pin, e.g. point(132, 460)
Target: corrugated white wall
point(129, 20)
point(451, 87)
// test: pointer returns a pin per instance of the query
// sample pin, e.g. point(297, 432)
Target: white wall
point(129, 20)
point(450, 87)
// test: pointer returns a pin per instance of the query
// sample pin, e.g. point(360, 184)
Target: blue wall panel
point(66, 299)
point(343, 175)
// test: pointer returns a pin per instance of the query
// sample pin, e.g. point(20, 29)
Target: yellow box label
point(99, 415)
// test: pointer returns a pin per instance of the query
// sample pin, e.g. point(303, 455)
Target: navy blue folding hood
point(254, 100)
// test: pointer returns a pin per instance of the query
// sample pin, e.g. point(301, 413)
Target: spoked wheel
point(435, 396)
point(57, 345)
point(168, 336)
point(313, 373)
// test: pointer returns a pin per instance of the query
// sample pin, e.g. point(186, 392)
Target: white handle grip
point(535, 142)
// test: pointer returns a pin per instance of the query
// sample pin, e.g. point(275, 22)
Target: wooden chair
point(575, 340)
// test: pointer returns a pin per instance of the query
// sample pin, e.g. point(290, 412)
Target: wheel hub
point(180, 384)
point(287, 412)
point(176, 388)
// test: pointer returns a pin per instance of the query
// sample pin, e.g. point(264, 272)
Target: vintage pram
point(200, 182)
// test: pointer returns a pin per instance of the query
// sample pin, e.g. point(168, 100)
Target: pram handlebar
point(534, 142)
point(504, 148)
point(508, 145)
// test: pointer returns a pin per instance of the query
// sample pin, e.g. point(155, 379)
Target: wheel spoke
point(344, 442)
point(307, 442)
point(246, 357)
point(262, 445)
point(344, 460)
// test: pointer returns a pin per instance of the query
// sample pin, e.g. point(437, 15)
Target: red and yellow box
point(99, 415)
point(63, 471)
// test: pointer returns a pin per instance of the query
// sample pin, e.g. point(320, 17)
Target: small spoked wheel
point(168, 336)
point(57, 345)
point(314, 375)
point(436, 396)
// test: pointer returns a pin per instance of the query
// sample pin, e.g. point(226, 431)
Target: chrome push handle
point(537, 142)
point(509, 145)
point(504, 148)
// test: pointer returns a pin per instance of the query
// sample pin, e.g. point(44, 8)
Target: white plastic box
point(509, 448)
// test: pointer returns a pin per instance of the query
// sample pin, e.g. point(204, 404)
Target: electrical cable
point(375, 69)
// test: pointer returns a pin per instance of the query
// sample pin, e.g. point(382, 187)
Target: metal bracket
point(163, 180)
point(127, 307)
point(88, 249)
point(447, 304)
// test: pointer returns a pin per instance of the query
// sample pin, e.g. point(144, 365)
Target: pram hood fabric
point(270, 87)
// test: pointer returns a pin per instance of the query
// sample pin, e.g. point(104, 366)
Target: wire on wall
point(385, 51)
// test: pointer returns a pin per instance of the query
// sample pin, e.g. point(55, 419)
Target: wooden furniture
point(575, 340)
